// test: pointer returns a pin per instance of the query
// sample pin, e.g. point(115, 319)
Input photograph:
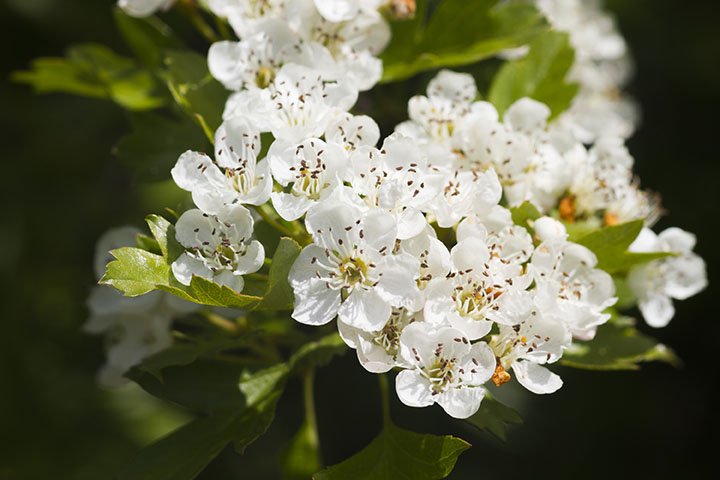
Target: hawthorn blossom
point(582, 292)
point(309, 172)
point(217, 247)
point(235, 176)
point(678, 277)
point(353, 131)
point(487, 283)
point(396, 178)
point(297, 105)
point(349, 270)
point(378, 351)
point(526, 346)
point(447, 369)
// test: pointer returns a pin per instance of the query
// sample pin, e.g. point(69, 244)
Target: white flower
point(310, 171)
point(353, 131)
point(435, 117)
point(378, 351)
point(657, 282)
point(487, 283)
point(343, 10)
point(538, 339)
point(448, 370)
point(235, 176)
point(143, 8)
point(566, 269)
point(299, 104)
point(350, 270)
point(465, 192)
point(254, 61)
point(396, 178)
point(245, 16)
point(218, 247)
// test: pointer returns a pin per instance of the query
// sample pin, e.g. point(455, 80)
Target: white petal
point(461, 402)
point(316, 306)
point(536, 378)
point(290, 207)
point(456, 87)
point(397, 284)
point(186, 266)
point(413, 389)
point(365, 309)
point(657, 310)
point(252, 260)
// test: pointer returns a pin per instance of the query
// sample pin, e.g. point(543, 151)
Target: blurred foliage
point(64, 187)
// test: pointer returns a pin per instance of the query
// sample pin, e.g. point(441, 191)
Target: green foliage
point(398, 454)
point(457, 32)
point(136, 272)
point(618, 345)
point(525, 213)
point(156, 142)
point(147, 37)
point(541, 75)
point(610, 244)
point(194, 89)
point(494, 417)
point(232, 410)
point(183, 454)
point(95, 71)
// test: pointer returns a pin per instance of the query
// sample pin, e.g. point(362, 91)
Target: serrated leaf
point(210, 293)
point(279, 294)
point(610, 245)
point(618, 345)
point(183, 454)
point(398, 454)
point(494, 417)
point(525, 213)
point(94, 71)
point(540, 75)
point(156, 142)
point(458, 32)
point(147, 37)
point(136, 272)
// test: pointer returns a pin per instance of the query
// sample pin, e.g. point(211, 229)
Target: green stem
point(385, 398)
point(271, 218)
point(310, 418)
point(258, 276)
point(190, 9)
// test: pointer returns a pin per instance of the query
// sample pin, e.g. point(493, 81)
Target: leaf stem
point(310, 418)
point(385, 399)
point(271, 218)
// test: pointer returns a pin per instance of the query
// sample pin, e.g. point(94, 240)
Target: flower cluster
point(412, 245)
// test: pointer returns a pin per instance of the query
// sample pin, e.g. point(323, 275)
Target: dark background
point(62, 188)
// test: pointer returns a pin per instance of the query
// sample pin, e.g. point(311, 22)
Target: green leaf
point(147, 37)
point(610, 245)
point(210, 293)
point(618, 345)
point(318, 353)
point(541, 75)
point(398, 454)
point(279, 294)
point(494, 417)
point(156, 142)
point(183, 454)
point(193, 88)
point(136, 272)
point(458, 32)
point(524, 213)
point(94, 71)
